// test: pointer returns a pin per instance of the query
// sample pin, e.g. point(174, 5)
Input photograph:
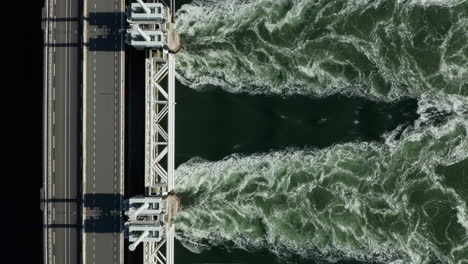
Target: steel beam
point(143, 5)
point(159, 130)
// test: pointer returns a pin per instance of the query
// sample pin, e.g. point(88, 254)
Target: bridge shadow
point(62, 200)
point(72, 226)
point(106, 31)
point(103, 213)
point(61, 19)
point(63, 45)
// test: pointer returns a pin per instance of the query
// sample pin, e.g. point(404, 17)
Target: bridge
point(85, 215)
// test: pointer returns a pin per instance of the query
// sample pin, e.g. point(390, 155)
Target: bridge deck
point(103, 108)
point(61, 177)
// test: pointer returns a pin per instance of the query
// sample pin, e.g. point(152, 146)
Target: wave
point(380, 202)
point(383, 50)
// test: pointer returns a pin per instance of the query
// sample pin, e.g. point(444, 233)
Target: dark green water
point(325, 131)
point(212, 125)
point(381, 50)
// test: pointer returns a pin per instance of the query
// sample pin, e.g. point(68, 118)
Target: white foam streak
point(247, 46)
point(269, 200)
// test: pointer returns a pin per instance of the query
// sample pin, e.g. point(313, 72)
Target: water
point(214, 124)
point(366, 201)
point(377, 49)
point(325, 131)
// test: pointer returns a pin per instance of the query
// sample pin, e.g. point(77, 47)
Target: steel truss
point(159, 142)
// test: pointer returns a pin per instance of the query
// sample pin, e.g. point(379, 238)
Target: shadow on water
point(134, 135)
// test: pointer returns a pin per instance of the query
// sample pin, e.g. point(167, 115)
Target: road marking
point(67, 122)
point(53, 235)
point(54, 69)
point(53, 165)
point(47, 172)
point(53, 118)
point(53, 189)
point(53, 142)
point(84, 124)
point(94, 136)
point(115, 147)
point(94, 243)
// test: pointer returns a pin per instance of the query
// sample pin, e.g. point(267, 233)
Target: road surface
point(103, 133)
point(61, 199)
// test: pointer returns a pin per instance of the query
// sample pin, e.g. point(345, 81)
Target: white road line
point(84, 124)
point(67, 133)
point(115, 146)
point(48, 58)
point(121, 122)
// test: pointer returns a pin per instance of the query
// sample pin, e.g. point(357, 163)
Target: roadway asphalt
point(103, 108)
point(61, 143)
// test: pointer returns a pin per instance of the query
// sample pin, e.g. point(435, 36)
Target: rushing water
point(367, 201)
point(401, 200)
point(382, 49)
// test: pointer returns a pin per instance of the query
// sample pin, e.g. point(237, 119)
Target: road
point(61, 24)
point(103, 131)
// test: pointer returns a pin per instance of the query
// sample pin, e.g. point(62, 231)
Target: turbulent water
point(378, 202)
point(365, 201)
point(382, 49)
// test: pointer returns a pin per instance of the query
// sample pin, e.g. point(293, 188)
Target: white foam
point(212, 56)
point(228, 208)
point(462, 217)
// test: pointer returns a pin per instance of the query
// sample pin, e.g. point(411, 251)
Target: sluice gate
point(151, 28)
